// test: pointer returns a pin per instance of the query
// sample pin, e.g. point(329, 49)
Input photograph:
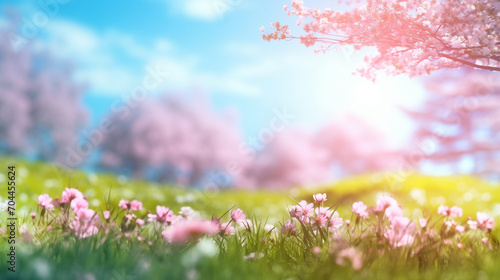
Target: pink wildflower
point(106, 214)
point(456, 211)
point(238, 216)
point(136, 205)
point(79, 203)
point(393, 211)
point(187, 212)
point(139, 222)
point(188, 230)
point(227, 228)
point(385, 201)
point(69, 194)
point(484, 221)
point(360, 209)
point(444, 210)
point(423, 222)
point(319, 198)
point(33, 215)
point(44, 200)
point(352, 255)
point(289, 227)
point(124, 204)
point(163, 215)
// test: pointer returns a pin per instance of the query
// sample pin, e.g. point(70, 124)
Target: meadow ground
point(249, 253)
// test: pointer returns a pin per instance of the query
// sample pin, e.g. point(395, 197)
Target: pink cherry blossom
point(45, 200)
point(402, 47)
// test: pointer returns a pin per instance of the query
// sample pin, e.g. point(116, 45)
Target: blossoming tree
point(411, 37)
point(40, 105)
point(170, 139)
point(461, 118)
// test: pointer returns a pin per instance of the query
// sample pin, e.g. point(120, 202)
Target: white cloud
point(113, 63)
point(208, 10)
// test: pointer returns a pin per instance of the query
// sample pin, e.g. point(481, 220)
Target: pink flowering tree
point(40, 106)
point(461, 119)
point(170, 139)
point(353, 146)
point(290, 159)
point(411, 37)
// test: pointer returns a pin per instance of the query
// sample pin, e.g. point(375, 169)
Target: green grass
point(284, 259)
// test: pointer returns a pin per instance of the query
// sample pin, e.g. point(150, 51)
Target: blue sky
point(216, 46)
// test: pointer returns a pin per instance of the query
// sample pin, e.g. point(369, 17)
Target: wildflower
point(106, 214)
point(79, 203)
point(484, 221)
point(422, 222)
point(347, 222)
point(124, 204)
point(316, 250)
point(135, 205)
point(226, 228)
point(187, 213)
point(401, 232)
point(289, 227)
point(247, 224)
point(360, 209)
point(472, 224)
point(139, 222)
point(460, 229)
point(238, 216)
point(163, 215)
point(253, 256)
point(269, 228)
point(33, 215)
point(130, 216)
point(385, 201)
point(69, 194)
point(188, 230)
point(45, 200)
point(83, 225)
point(444, 210)
point(319, 198)
point(305, 209)
point(456, 211)
point(336, 222)
point(393, 211)
point(352, 255)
